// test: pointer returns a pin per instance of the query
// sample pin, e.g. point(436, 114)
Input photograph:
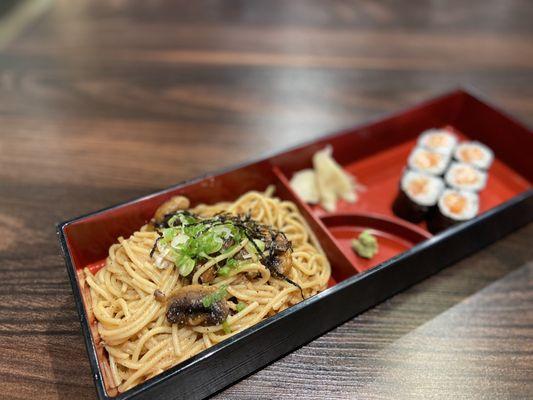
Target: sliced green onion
point(180, 238)
point(210, 299)
point(192, 240)
point(173, 219)
point(168, 234)
point(232, 263)
point(185, 264)
point(223, 231)
point(226, 327)
point(260, 244)
point(240, 306)
point(210, 243)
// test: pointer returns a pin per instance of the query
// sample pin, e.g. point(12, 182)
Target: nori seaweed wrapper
point(407, 209)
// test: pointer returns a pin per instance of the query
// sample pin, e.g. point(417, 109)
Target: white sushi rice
point(421, 159)
point(468, 212)
point(465, 177)
point(441, 140)
point(485, 155)
point(432, 190)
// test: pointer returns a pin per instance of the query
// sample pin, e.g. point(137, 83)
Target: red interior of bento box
point(380, 173)
point(375, 153)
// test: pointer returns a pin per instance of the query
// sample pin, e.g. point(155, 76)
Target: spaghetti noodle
point(130, 295)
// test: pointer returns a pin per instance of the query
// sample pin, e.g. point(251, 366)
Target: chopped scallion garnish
point(226, 327)
point(240, 306)
point(212, 298)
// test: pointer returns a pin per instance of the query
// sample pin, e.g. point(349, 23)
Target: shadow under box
point(376, 154)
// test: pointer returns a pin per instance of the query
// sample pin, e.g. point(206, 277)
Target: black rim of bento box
point(524, 199)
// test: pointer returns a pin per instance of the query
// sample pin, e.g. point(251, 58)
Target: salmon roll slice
point(454, 206)
point(440, 140)
point(418, 194)
point(428, 161)
point(463, 176)
point(475, 154)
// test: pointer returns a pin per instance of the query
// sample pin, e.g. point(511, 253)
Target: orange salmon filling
point(427, 159)
point(418, 186)
point(455, 202)
point(437, 140)
point(465, 176)
point(470, 154)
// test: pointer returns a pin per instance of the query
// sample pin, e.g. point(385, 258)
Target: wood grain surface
point(105, 100)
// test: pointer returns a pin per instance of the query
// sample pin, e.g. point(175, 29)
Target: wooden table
point(102, 101)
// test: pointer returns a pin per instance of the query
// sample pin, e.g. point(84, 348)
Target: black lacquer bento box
point(375, 152)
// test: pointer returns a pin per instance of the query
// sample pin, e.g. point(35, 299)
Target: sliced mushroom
point(187, 308)
point(208, 276)
point(280, 243)
point(170, 206)
point(281, 264)
point(159, 296)
point(279, 259)
point(241, 255)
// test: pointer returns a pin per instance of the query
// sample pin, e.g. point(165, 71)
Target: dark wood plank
point(102, 101)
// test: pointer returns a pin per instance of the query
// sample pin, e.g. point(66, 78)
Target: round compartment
point(394, 236)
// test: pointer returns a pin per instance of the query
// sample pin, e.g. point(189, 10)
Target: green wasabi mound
point(366, 245)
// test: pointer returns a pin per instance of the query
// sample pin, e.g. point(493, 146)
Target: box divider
point(342, 268)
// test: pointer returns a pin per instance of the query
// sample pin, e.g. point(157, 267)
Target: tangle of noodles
point(132, 325)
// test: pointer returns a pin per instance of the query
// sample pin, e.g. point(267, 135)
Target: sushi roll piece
point(440, 140)
point(454, 206)
point(474, 153)
point(418, 194)
point(428, 161)
point(463, 176)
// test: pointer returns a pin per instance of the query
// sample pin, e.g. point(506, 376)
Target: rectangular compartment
point(375, 152)
point(380, 171)
point(89, 238)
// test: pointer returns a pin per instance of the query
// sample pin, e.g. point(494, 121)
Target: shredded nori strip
point(154, 247)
